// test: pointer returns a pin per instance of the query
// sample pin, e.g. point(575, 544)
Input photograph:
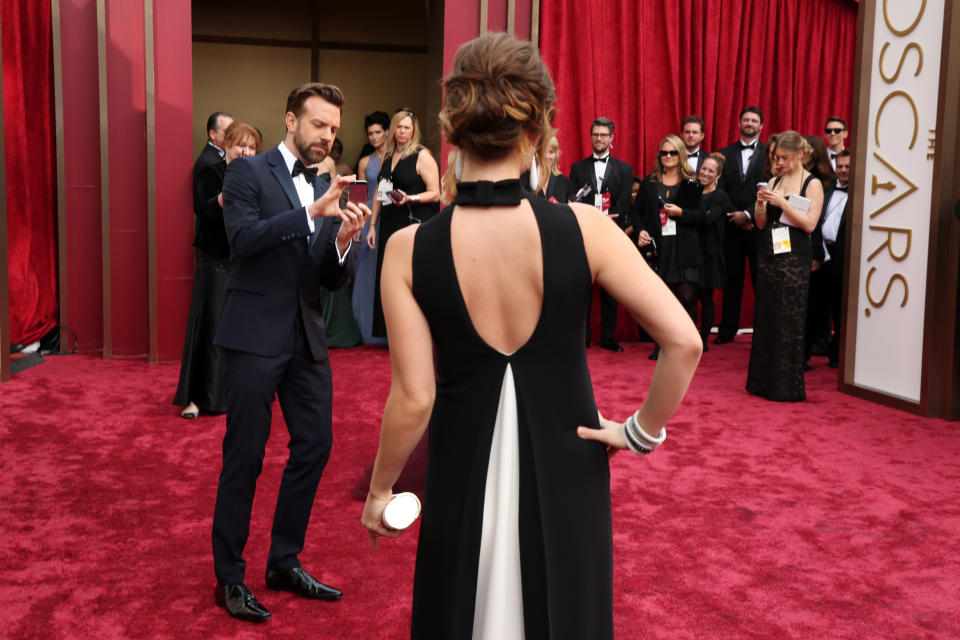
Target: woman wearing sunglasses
point(666, 213)
point(407, 192)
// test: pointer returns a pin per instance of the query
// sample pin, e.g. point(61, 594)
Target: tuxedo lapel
point(759, 153)
point(279, 169)
point(319, 188)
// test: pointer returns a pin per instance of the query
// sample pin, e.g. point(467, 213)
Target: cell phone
point(395, 196)
point(660, 202)
point(358, 192)
point(762, 185)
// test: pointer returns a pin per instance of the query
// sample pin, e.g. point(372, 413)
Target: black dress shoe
point(301, 583)
point(612, 345)
point(723, 340)
point(240, 602)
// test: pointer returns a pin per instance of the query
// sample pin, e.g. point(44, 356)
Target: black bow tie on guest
point(833, 156)
point(603, 159)
point(694, 154)
point(839, 188)
point(308, 172)
point(751, 146)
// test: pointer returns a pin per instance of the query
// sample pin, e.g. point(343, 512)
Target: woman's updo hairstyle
point(793, 141)
point(498, 94)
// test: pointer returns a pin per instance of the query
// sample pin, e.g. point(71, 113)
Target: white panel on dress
point(498, 614)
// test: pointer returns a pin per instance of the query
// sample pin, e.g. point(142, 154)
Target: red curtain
point(647, 64)
point(31, 181)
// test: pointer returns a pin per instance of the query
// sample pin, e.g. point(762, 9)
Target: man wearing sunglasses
point(834, 135)
point(606, 183)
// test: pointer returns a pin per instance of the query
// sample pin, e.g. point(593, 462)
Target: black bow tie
point(839, 188)
point(833, 156)
point(308, 172)
point(603, 159)
point(694, 154)
point(750, 146)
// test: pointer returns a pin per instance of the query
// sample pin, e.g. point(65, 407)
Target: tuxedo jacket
point(617, 181)
point(742, 190)
point(279, 267)
point(559, 187)
point(209, 234)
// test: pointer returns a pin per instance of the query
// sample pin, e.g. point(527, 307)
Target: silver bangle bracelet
point(638, 440)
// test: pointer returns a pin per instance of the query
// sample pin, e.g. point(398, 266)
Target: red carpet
point(832, 518)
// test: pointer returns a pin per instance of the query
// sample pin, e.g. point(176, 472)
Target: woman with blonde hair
point(407, 192)
point(786, 213)
point(485, 310)
point(668, 217)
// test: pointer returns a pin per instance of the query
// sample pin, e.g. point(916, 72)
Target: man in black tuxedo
point(288, 237)
point(836, 202)
point(208, 173)
point(742, 170)
point(691, 130)
point(613, 178)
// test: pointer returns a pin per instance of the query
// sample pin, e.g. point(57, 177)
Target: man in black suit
point(288, 237)
point(742, 170)
point(835, 203)
point(609, 181)
point(208, 173)
point(691, 130)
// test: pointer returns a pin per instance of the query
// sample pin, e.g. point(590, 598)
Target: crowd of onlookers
point(698, 218)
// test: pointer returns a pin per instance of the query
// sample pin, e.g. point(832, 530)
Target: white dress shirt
point(600, 168)
point(832, 219)
point(694, 161)
point(305, 192)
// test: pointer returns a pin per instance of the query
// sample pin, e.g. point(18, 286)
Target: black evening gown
point(202, 369)
point(393, 218)
point(562, 508)
point(777, 353)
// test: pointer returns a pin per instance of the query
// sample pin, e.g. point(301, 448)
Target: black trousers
point(303, 387)
point(739, 247)
point(608, 316)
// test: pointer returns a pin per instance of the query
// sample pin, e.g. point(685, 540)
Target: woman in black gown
point(783, 274)
point(202, 384)
point(407, 192)
point(714, 206)
point(516, 535)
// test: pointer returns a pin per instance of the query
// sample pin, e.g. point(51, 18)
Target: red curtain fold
point(647, 64)
point(30, 156)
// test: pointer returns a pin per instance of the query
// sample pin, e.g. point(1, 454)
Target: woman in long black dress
point(407, 192)
point(202, 384)
point(516, 535)
point(673, 229)
point(714, 206)
point(783, 273)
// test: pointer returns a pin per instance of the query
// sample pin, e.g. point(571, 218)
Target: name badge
point(383, 188)
point(669, 228)
point(781, 239)
point(602, 201)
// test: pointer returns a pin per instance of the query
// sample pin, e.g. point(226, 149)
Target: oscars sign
point(895, 151)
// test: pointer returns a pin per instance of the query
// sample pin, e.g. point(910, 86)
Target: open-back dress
point(515, 540)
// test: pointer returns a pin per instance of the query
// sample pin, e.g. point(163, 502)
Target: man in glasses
point(605, 182)
point(834, 135)
point(742, 171)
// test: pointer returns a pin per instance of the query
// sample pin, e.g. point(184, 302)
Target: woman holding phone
point(408, 189)
point(787, 212)
point(376, 125)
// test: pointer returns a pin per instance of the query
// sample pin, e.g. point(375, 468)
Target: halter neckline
point(485, 193)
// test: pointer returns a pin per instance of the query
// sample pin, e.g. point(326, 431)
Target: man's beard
point(312, 153)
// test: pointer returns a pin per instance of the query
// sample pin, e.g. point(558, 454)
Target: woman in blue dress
point(376, 125)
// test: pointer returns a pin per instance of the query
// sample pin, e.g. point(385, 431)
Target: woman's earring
point(458, 167)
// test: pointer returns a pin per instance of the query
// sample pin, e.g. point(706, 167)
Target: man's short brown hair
point(327, 92)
